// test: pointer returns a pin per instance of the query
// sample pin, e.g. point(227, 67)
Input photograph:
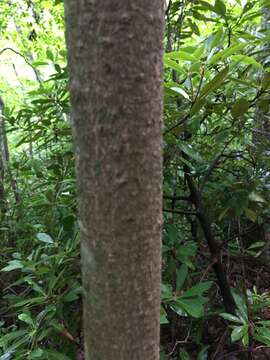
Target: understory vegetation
point(215, 299)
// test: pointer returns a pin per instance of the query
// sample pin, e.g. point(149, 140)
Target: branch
point(213, 245)
point(213, 165)
point(180, 212)
point(25, 59)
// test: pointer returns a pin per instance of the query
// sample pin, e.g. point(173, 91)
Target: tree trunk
point(4, 150)
point(115, 60)
point(2, 160)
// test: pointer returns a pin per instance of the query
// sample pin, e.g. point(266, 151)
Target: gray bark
point(2, 159)
point(4, 153)
point(115, 60)
point(3, 135)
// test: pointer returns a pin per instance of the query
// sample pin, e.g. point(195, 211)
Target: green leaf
point(187, 149)
point(163, 319)
point(57, 326)
point(195, 67)
point(220, 7)
point(198, 53)
point(231, 317)
point(244, 82)
point(255, 197)
point(73, 294)
point(240, 107)
point(181, 92)
point(217, 38)
point(45, 238)
point(186, 162)
point(170, 92)
point(166, 291)
point(223, 213)
point(172, 233)
point(187, 250)
point(241, 306)
point(262, 334)
point(20, 343)
point(257, 245)
point(32, 301)
point(162, 355)
point(224, 54)
point(39, 63)
point(173, 65)
point(260, 337)
point(198, 289)
point(49, 54)
point(247, 60)
point(6, 339)
point(180, 55)
point(263, 105)
point(49, 311)
point(192, 306)
point(203, 354)
point(6, 356)
point(177, 89)
point(206, 6)
point(35, 354)
point(26, 318)
point(194, 27)
point(266, 81)
point(197, 106)
point(215, 83)
point(181, 276)
point(184, 355)
point(251, 215)
point(13, 265)
point(239, 332)
point(222, 136)
point(263, 322)
point(262, 305)
point(55, 355)
point(245, 339)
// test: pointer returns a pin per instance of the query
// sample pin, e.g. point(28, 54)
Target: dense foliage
point(216, 181)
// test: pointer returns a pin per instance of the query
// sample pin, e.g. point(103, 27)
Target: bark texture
point(115, 60)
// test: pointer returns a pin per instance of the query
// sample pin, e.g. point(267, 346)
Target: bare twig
point(25, 59)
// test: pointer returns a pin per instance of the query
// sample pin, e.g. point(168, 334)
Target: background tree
point(115, 53)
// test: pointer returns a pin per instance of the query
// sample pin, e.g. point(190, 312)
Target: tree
point(115, 59)
point(216, 180)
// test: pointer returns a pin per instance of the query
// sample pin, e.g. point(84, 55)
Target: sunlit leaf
point(220, 7)
point(180, 55)
point(247, 60)
point(45, 238)
point(13, 265)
